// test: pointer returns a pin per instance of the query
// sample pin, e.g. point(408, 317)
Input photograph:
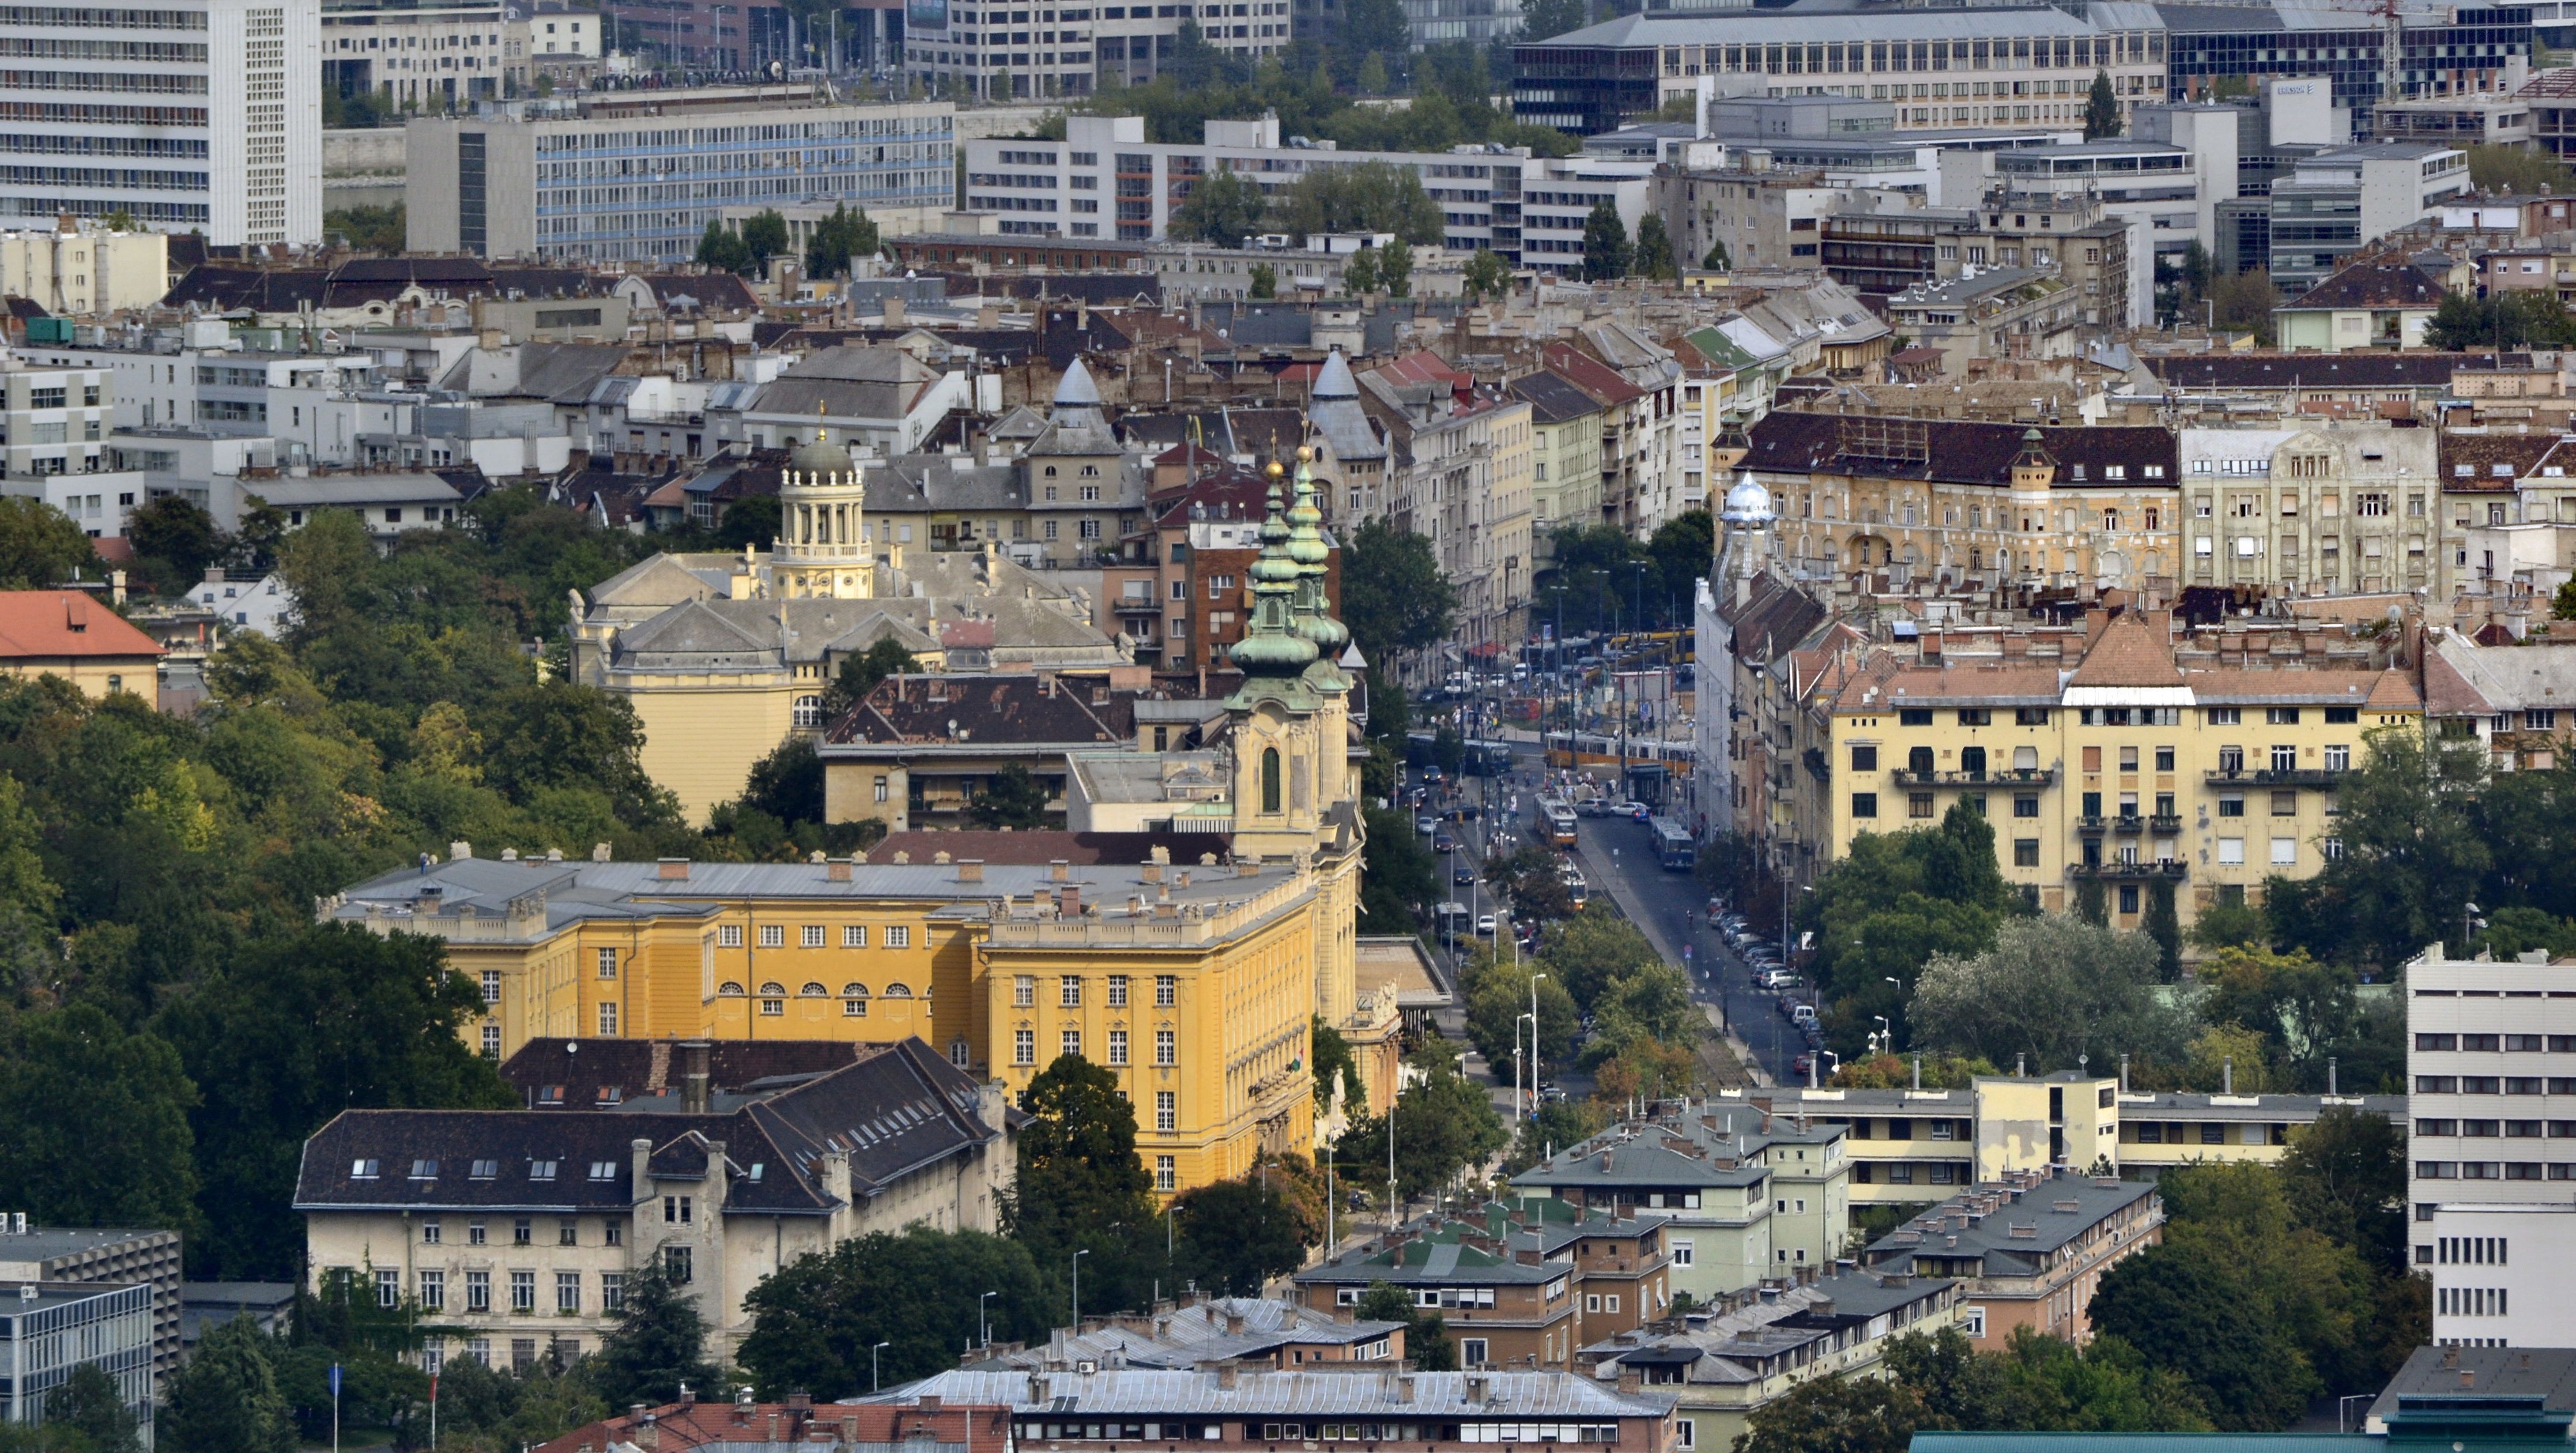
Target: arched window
point(729, 990)
point(854, 991)
point(773, 990)
point(1050, 471)
point(1972, 760)
point(1919, 761)
point(1270, 779)
point(1091, 471)
point(898, 990)
point(814, 991)
point(854, 1001)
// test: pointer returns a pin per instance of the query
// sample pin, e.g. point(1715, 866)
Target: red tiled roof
point(2128, 653)
point(1588, 373)
point(54, 624)
point(676, 1427)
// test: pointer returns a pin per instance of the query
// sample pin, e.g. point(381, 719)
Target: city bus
point(1674, 846)
point(1556, 815)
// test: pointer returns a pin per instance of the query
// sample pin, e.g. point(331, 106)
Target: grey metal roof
point(2264, 1109)
point(2048, 1212)
point(1812, 26)
point(1365, 1391)
point(2548, 1373)
point(43, 1243)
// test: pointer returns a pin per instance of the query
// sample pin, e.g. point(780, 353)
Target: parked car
point(1802, 1064)
point(1804, 1013)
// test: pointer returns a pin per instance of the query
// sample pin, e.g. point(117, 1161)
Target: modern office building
point(49, 1330)
point(639, 175)
point(2449, 50)
point(1982, 66)
point(202, 117)
point(1048, 51)
point(2499, 1273)
point(50, 1258)
point(2343, 198)
point(445, 56)
point(2490, 1124)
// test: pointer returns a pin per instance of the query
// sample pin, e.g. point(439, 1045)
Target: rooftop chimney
point(970, 870)
point(694, 1075)
point(674, 870)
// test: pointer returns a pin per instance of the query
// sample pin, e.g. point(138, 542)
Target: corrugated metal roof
point(1301, 1394)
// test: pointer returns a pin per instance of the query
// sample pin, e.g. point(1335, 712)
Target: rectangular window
point(1024, 1046)
point(729, 936)
point(608, 1021)
point(1117, 991)
point(2025, 852)
point(388, 1287)
point(1024, 991)
point(491, 986)
point(2231, 850)
point(2285, 851)
point(854, 935)
point(1118, 1046)
point(433, 1291)
point(810, 936)
point(1864, 804)
point(478, 1291)
point(1165, 986)
point(1071, 1041)
point(567, 1291)
point(898, 936)
point(773, 935)
point(1166, 1176)
point(1864, 759)
point(1069, 992)
point(1167, 1111)
point(1166, 1047)
point(608, 963)
point(523, 1291)
point(612, 1291)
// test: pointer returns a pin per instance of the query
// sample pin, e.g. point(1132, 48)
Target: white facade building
point(2494, 1121)
point(86, 269)
point(261, 603)
point(202, 116)
point(2500, 1274)
point(1021, 54)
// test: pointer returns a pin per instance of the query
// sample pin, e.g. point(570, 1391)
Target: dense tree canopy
point(1081, 1188)
point(921, 1290)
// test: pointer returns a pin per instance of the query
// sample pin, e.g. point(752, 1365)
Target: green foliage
point(2304, 1013)
point(1601, 577)
point(75, 1080)
point(2345, 1178)
point(858, 675)
point(1443, 1124)
point(1655, 250)
point(1896, 900)
point(921, 1290)
point(1233, 1236)
point(2229, 925)
point(1360, 275)
point(844, 235)
point(1373, 79)
point(1224, 208)
point(2512, 319)
point(225, 1399)
point(2051, 988)
point(87, 1414)
point(1336, 1065)
point(1399, 880)
point(2498, 168)
point(659, 1342)
point(721, 249)
point(2244, 303)
point(2102, 119)
point(1010, 798)
point(1555, 1125)
point(359, 110)
point(369, 229)
point(484, 1410)
point(2165, 928)
point(1717, 259)
point(1395, 268)
point(764, 236)
point(174, 541)
point(1486, 276)
point(1265, 281)
point(1081, 1188)
point(41, 547)
point(1547, 19)
point(1605, 244)
point(1593, 950)
point(1373, 196)
point(1896, 1072)
point(1426, 1334)
point(1498, 995)
point(2037, 1383)
point(1835, 1415)
point(1394, 593)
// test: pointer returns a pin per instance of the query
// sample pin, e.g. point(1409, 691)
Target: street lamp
point(1077, 1288)
point(984, 1327)
point(1518, 1114)
point(1534, 978)
point(1886, 1032)
point(2469, 921)
point(872, 1364)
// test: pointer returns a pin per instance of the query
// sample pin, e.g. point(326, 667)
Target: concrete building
point(437, 57)
point(86, 269)
point(2499, 1273)
point(1565, 465)
point(49, 1330)
point(2493, 118)
point(53, 1258)
point(2024, 67)
point(2028, 1250)
point(2340, 199)
point(2005, 313)
point(1460, 479)
point(2323, 509)
point(2502, 697)
point(2338, 57)
point(443, 1208)
point(949, 48)
point(221, 132)
point(2484, 1034)
point(612, 177)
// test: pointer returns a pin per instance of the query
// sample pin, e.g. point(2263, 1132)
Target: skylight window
point(362, 1170)
point(485, 1170)
point(424, 1170)
point(757, 1168)
point(603, 1170)
point(541, 1170)
point(549, 1094)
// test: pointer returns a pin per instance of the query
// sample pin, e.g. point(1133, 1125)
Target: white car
point(1485, 926)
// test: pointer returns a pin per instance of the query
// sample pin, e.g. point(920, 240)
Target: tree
point(1373, 79)
point(2229, 925)
point(1376, 28)
point(74, 1080)
point(1605, 244)
point(2052, 989)
point(1835, 1415)
point(1010, 798)
point(720, 249)
point(2244, 303)
point(2499, 168)
point(764, 236)
point(1373, 196)
point(1893, 902)
point(1655, 249)
point(1718, 259)
point(858, 675)
point(1395, 596)
point(1360, 275)
point(224, 1398)
point(1336, 1068)
point(1426, 1336)
point(921, 1290)
point(2345, 1178)
point(1236, 1235)
point(2102, 110)
point(1398, 878)
point(1590, 951)
point(558, 735)
point(40, 546)
point(1223, 209)
point(1487, 276)
point(1547, 19)
point(292, 1032)
point(835, 240)
point(1497, 999)
point(1443, 1124)
point(1265, 281)
point(1553, 1126)
point(1395, 268)
point(2165, 928)
point(2188, 1314)
point(178, 534)
point(659, 1342)
point(87, 1405)
point(1080, 1186)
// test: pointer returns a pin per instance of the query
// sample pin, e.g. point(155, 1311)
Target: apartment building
point(2004, 314)
point(426, 57)
point(1519, 1285)
point(2343, 198)
point(2326, 508)
point(2499, 1273)
point(140, 1333)
point(1106, 181)
point(2486, 1035)
point(1461, 460)
point(1906, 1146)
point(518, 1231)
point(619, 176)
point(2116, 769)
point(203, 116)
point(1229, 1409)
point(1723, 1368)
point(54, 424)
point(1565, 463)
point(85, 268)
point(2028, 1250)
point(1050, 51)
point(2023, 67)
point(2503, 697)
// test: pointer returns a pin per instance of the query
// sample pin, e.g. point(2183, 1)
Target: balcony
point(1817, 766)
point(2003, 777)
point(2128, 872)
point(2165, 822)
point(2278, 777)
point(2092, 826)
point(2128, 822)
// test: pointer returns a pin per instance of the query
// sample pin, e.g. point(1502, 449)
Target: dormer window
point(541, 1170)
point(362, 1170)
point(424, 1170)
point(485, 1170)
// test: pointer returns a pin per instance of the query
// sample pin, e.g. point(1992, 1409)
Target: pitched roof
point(2128, 653)
point(995, 848)
point(598, 1074)
point(793, 1427)
point(1003, 709)
point(2306, 370)
point(1552, 397)
point(2374, 285)
point(1958, 451)
point(43, 625)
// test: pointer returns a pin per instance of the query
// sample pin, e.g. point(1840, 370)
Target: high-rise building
point(200, 115)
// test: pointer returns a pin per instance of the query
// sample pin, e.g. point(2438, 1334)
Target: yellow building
point(1196, 983)
point(724, 657)
point(2118, 766)
point(69, 634)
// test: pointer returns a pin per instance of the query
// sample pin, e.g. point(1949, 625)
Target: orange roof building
point(69, 634)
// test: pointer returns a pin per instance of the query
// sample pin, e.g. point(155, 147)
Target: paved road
point(1619, 857)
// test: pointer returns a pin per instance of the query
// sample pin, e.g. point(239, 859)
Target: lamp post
point(1534, 978)
point(1886, 1032)
point(983, 1325)
point(1519, 1114)
point(872, 1364)
point(1077, 1289)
